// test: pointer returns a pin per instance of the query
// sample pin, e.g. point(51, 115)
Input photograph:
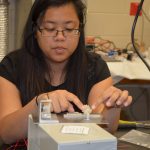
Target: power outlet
point(134, 8)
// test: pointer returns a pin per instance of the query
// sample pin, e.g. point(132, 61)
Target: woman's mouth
point(59, 50)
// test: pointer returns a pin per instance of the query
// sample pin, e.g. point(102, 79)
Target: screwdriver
point(133, 124)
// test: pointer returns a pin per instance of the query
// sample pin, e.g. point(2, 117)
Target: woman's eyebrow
point(65, 22)
point(49, 22)
point(69, 22)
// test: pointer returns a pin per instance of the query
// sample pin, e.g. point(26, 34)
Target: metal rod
point(3, 28)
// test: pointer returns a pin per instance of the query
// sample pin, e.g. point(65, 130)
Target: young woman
point(53, 62)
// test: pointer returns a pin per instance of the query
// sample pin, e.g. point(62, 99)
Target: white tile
point(111, 19)
point(107, 6)
point(109, 24)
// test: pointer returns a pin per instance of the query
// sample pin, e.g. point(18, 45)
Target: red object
point(19, 145)
point(134, 8)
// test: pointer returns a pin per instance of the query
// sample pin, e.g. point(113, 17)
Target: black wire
point(132, 34)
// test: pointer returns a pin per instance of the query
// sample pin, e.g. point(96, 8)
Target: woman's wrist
point(40, 97)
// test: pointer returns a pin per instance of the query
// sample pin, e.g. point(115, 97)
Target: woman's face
point(59, 47)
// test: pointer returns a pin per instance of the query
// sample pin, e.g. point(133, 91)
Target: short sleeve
point(102, 70)
point(8, 68)
point(97, 69)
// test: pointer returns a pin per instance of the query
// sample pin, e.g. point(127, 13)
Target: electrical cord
point(132, 34)
point(103, 44)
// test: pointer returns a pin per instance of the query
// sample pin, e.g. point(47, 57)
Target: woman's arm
point(13, 117)
point(103, 98)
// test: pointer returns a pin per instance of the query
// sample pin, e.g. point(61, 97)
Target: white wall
point(22, 10)
point(18, 12)
point(12, 23)
point(106, 18)
point(110, 20)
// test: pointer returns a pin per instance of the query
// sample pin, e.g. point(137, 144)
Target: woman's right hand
point(61, 100)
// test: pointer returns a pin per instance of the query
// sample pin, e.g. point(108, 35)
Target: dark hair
point(34, 66)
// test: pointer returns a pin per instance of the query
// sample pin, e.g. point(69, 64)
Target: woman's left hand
point(114, 97)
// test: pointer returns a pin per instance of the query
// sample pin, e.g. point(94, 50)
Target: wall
point(110, 20)
point(12, 21)
point(106, 18)
point(18, 12)
point(22, 10)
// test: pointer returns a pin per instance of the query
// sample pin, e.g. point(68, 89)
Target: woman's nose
point(60, 35)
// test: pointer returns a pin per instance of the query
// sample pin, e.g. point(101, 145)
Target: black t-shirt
point(10, 68)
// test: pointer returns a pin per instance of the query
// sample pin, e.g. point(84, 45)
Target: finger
point(109, 92)
point(97, 103)
point(105, 97)
point(56, 104)
point(70, 108)
point(123, 97)
point(72, 98)
point(98, 109)
point(112, 100)
point(128, 102)
point(64, 104)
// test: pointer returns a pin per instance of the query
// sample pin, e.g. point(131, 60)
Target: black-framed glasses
point(46, 32)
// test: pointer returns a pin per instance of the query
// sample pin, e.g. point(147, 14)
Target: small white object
point(74, 115)
point(79, 116)
point(87, 111)
point(45, 115)
point(75, 129)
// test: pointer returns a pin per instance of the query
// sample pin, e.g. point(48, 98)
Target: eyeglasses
point(53, 33)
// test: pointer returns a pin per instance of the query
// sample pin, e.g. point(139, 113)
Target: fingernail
point(93, 106)
point(108, 104)
point(126, 104)
point(71, 110)
point(118, 103)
